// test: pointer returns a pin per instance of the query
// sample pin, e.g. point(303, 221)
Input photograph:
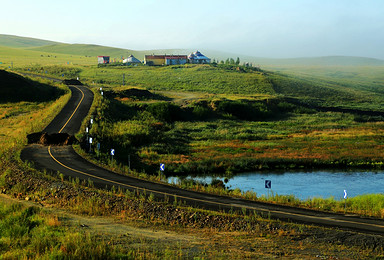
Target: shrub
point(201, 112)
point(244, 110)
point(166, 112)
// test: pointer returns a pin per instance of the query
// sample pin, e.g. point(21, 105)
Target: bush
point(244, 110)
point(165, 112)
point(366, 118)
point(201, 112)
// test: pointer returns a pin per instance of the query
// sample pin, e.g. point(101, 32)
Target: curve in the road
point(65, 160)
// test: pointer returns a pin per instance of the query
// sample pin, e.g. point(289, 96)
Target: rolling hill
point(22, 42)
point(355, 80)
point(19, 57)
point(323, 61)
point(93, 50)
point(97, 50)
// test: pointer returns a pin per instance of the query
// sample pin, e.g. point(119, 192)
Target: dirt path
point(107, 226)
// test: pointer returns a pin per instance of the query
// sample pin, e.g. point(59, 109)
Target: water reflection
point(304, 184)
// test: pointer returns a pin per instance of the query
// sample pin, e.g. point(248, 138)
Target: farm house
point(158, 60)
point(102, 59)
point(154, 60)
point(198, 58)
point(176, 60)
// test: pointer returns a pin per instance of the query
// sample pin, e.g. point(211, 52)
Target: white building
point(131, 60)
point(198, 58)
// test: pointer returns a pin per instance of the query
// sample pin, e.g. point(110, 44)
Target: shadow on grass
point(15, 88)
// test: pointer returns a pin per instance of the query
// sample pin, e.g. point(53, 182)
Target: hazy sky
point(261, 28)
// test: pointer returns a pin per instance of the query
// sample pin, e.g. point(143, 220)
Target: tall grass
point(21, 118)
point(29, 233)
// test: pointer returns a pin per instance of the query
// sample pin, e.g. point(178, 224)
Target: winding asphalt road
point(65, 160)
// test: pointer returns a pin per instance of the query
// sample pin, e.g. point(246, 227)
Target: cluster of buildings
point(163, 60)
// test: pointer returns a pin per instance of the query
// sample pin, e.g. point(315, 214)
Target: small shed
point(102, 59)
point(131, 60)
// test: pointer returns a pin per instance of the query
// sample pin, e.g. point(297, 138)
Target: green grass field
point(23, 58)
point(202, 119)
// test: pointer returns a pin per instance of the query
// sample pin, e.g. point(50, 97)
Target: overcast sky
point(260, 28)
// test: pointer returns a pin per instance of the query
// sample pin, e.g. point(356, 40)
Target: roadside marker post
point(98, 150)
point(87, 132)
point(112, 154)
point(268, 185)
point(90, 144)
point(345, 200)
point(161, 170)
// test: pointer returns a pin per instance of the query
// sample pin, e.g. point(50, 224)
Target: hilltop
point(22, 42)
point(96, 50)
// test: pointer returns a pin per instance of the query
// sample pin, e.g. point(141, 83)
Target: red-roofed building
point(103, 59)
point(159, 60)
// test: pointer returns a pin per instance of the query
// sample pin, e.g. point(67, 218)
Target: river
point(306, 184)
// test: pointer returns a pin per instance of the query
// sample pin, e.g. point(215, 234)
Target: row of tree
point(231, 61)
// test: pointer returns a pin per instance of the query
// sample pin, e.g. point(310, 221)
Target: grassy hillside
point(329, 92)
point(331, 81)
point(16, 58)
point(22, 42)
point(116, 53)
point(365, 83)
point(14, 88)
point(194, 78)
point(228, 80)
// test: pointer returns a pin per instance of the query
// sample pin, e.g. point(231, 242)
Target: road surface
point(65, 160)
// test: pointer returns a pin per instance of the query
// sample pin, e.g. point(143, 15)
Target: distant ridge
point(96, 50)
point(22, 42)
point(324, 61)
point(116, 53)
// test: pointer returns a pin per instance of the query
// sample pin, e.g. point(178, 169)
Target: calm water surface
point(307, 184)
